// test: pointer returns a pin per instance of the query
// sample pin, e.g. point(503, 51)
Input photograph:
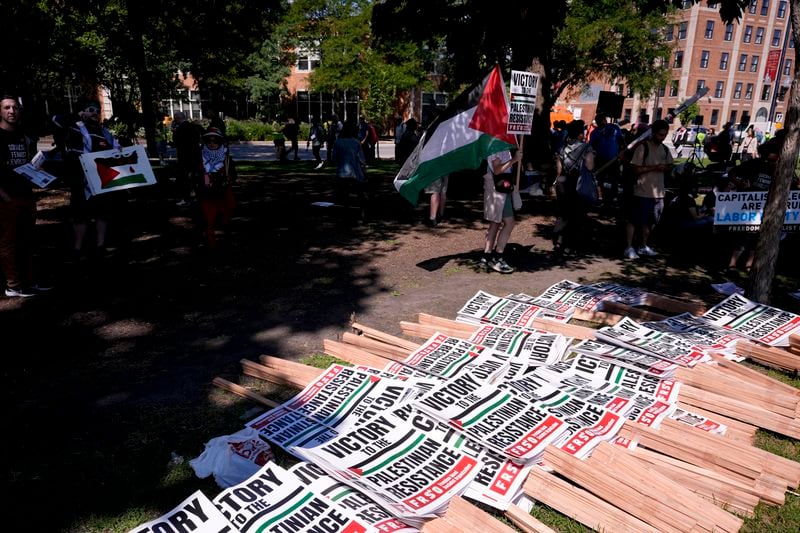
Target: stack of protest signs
point(488, 404)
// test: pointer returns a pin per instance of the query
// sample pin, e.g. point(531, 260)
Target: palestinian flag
point(471, 128)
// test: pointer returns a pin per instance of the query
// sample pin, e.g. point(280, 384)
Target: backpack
point(373, 135)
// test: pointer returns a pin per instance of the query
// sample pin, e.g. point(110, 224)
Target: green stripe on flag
point(266, 525)
point(127, 180)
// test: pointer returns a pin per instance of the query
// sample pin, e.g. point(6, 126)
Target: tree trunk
point(137, 18)
point(766, 257)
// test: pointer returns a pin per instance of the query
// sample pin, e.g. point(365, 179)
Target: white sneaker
point(646, 250)
point(19, 293)
point(319, 166)
point(630, 253)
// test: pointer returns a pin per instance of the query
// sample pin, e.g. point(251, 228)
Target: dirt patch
point(111, 372)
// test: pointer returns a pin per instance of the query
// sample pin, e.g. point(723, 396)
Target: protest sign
point(485, 308)
point(532, 347)
point(446, 357)
point(701, 333)
point(275, 500)
point(196, 513)
point(412, 474)
point(513, 426)
point(699, 421)
point(637, 360)
point(365, 508)
point(743, 211)
point(576, 295)
point(760, 322)
point(34, 171)
point(522, 102)
point(664, 345)
point(114, 170)
point(499, 479)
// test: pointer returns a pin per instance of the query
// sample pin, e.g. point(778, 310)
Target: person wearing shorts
point(650, 161)
point(499, 211)
point(438, 192)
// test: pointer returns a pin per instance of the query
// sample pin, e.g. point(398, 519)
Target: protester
point(407, 142)
point(316, 137)
point(650, 161)
point(334, 129)
point(438, 199)
point(576, 156)
point(749, 148)
point(754, 175)
point(607, 141)
point(186, 140)
point(215, 188)
point(498, 210)
point(350, 167)
point(368, 138)
point(17, 204)
point(84, 134)
point(292, 131)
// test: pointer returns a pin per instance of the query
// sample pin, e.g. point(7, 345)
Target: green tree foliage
point(569, 44)
point(340, 33)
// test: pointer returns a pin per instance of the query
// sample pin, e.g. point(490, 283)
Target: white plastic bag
point(233, 458)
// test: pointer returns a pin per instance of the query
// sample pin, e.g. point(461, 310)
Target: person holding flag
point(498, 210)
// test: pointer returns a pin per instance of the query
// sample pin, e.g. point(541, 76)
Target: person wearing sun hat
point(215, 188)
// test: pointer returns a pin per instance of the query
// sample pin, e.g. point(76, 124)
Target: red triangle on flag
point(491, 114)
point(106, 173)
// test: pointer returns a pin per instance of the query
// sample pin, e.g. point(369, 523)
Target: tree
point(340, 32)
point(568, 44)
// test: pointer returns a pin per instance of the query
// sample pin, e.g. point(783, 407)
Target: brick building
point(747, 67)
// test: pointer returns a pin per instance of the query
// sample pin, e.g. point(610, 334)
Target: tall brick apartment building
point(747, 67)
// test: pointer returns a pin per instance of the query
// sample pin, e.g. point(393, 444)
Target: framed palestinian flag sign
point(114, 170)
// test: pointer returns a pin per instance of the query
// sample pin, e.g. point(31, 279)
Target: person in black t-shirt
point(17, 204)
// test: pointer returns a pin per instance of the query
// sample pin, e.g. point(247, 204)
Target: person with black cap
point(85, 134)
point(215, 188)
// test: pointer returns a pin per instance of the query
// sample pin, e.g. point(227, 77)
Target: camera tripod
point(695, 159)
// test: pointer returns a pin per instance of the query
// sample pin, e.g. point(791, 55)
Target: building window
point(748, 34)
point(719, 89)
point(679, 60)
point(673, 88)
point(734, 114)
point(687, 4)
point(662, 90)
point(704, 56)
point(709, 29)
point(748, 92)
point(787, 67)
point(728, 32)
point(791, 41)
point(754, 64)
point(700, 85)
point(682, 30)
point(764, 8)
point(765, 90)
point(737, 90)
point(753, 7)
point(626, 115)
point(669, 33)
point(714, 117)
point(776, 38)
point(782, 93)
point(307, 63)
point(781, 9)
point(759, 35)
point(712, 4)
point(723, 60)
point(742, 62)
point(620, 89)
point(630, 91)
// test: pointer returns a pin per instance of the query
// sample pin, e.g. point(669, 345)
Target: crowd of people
point(631, 172)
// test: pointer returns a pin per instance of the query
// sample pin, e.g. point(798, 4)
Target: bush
point(248, 130)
